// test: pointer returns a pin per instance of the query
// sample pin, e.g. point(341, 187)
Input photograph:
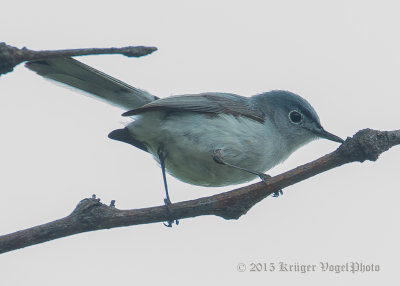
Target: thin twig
point(12, 56)
point(91, 214)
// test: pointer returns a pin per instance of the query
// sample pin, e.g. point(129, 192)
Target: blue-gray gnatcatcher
point(208, 139)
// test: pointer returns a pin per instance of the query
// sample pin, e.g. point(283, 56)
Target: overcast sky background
point(342, 56)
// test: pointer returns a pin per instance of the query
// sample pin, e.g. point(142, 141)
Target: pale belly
point(190, 140)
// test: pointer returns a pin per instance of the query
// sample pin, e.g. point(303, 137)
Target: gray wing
point(213, 103)
point(78, 75)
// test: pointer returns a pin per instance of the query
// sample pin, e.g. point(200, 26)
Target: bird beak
point(321, 132)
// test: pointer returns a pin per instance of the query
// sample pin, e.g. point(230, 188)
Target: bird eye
point(295, 116)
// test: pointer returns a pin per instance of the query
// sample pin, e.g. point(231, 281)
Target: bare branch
point(91, 215)
point(12, 56)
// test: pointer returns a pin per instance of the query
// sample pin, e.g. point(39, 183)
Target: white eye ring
point(295, 116)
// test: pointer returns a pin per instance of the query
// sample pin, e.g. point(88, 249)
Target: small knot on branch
point(9, 58)
point(90, 211)
point(232, 212)
point(86, 205)
point(233, 207)
point(137, 51)
point(366, 144)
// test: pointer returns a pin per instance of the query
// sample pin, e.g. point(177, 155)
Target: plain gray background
point(342, 56)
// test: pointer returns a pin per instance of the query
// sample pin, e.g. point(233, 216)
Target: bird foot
point(170, 222)
point(265, 178)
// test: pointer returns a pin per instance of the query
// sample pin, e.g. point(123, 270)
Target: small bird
point(210, 139)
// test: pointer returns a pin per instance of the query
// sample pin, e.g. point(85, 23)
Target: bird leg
point(218, 158)
point(162, 155)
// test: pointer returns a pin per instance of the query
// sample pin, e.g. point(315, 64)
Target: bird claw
point(277, 194)
point(168, 223)
point(265, 178)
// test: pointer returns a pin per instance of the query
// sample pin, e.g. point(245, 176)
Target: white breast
point(190, 139)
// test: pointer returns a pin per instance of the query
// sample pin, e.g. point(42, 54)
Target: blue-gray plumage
point(254, 133)
point(208, 139)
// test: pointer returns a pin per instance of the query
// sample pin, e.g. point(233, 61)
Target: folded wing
point(211, 103)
